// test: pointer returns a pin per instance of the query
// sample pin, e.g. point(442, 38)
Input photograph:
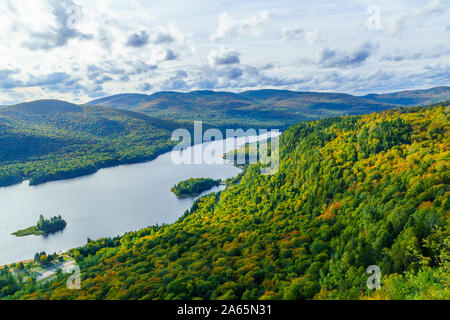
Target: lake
point(111, 202)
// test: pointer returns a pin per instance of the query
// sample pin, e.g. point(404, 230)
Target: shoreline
point(112, 164)
point(91, 172)
point(10, 264)
point(139, 162)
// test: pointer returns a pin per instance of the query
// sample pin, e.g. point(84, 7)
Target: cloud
point(146, 87)
point(58, 81)
point(109, 70)
point(268, 66)
point(289, 34)
point(160, 54)
point(138, 40)
point(382, 81)
point(434, 53)
point(6, 81)
point(432, 7)
point(139, 66)
point(5, 73)
point(312, 36)
point(232, 73)
point(223, 56)
point(175, 83)
point(93, 91)
point(331, 58)
point(103, 80)
point(402, 21)
point(105, 38)
point(253, 26)
point(241, 78)
point(61, 28)
point(170, 55)
point(163, 37)
point(402, 56)
point(93, 57)
point(50, 79)
point(167, 35)
point(156, 36)
point(181, 74)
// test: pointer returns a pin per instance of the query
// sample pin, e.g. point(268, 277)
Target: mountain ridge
point(247, 93)
point(406, 97)
point(266, 107)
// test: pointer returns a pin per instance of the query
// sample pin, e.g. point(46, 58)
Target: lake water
point(108, 203)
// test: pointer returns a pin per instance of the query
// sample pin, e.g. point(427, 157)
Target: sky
point(80, 50)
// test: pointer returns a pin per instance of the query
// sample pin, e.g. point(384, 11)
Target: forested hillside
point(260, 108)
point(265, 108)
point(351, 192)
point(50, 140)
point(413, 97)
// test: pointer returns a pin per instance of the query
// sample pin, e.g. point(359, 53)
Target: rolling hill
point(50, 140)
point(413, 97)
point(351, 192)
point(264, 108)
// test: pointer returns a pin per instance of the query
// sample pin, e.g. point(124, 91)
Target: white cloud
point(289, 34)
point(253, 26)
point(223, 56)
point(417, 16)
point(160, 54)
point(333, 58)
point(312, 36)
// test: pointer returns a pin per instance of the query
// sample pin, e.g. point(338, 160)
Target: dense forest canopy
point(351, 192)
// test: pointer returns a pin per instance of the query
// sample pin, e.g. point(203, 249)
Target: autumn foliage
point(351, 192)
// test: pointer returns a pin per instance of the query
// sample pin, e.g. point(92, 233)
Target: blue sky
point(79, 50)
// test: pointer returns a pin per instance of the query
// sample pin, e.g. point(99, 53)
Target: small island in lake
point(193, 187)
point(43, 227)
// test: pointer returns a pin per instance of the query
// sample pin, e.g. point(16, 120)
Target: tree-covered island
point(193, 187)
point(43, 227)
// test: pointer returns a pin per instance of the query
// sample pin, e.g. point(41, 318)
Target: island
point(193, 187)
point(43, 227)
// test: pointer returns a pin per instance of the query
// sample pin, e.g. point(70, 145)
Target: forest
point(52, 140)
point(351, 192)
point(51, 225)
point(194, 186)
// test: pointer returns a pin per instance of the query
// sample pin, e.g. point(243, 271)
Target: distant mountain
point(126, 101)
point(413, 97)
point(268, 108)
point(28, 110)
point(57, 113)
point(48, 140)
